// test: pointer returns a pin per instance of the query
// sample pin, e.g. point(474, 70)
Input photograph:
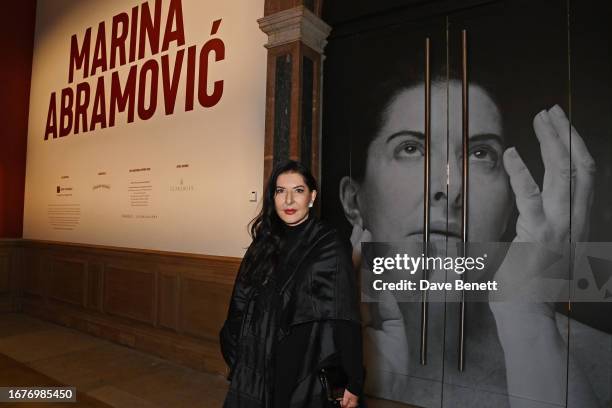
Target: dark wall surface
point(16, 43)
point(523, 58)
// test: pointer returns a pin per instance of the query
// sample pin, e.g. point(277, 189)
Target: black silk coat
point(319, 287)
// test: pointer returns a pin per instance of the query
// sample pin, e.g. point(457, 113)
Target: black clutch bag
point(333, 380)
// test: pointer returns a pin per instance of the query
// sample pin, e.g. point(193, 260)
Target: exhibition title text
point(137, 91)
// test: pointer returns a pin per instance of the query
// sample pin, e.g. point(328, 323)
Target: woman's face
point(390, 199)
point(291, 198)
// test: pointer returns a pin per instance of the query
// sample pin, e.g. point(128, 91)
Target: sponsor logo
point(181, 186)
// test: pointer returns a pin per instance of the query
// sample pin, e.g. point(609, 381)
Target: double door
point(437, 125)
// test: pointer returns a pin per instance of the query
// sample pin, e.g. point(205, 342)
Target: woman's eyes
point(409, 149)
point(481, 154)
point(484, 154)
point(282, 190)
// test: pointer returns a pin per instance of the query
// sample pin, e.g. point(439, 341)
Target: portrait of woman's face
point(389, 200)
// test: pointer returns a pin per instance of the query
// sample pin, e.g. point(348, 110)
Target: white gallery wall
point(154, 148)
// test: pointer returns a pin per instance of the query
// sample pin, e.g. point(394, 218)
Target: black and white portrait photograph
point(528, 84)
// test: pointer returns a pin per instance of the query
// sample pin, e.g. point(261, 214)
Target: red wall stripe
point(16, 45)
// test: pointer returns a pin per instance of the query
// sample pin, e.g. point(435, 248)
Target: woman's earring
point(310, 204)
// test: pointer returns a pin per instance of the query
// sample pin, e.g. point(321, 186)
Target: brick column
point(296, 40)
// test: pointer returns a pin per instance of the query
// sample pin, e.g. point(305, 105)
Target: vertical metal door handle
point(464, 188)
point(426, 186)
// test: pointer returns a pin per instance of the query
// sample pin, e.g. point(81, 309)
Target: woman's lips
point(442, 229)
point(440, 235)
point(290, 212)
point(450, 234)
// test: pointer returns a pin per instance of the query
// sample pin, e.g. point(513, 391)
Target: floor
point(108, 373)
point(34, 352)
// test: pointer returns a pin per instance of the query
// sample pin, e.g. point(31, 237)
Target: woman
point(383, 201)
point(294, 307)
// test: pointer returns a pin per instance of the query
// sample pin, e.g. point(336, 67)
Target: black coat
point(320, 286)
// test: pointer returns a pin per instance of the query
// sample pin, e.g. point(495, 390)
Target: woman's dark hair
point(266, 228)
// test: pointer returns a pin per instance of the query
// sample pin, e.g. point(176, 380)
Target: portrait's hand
point(385, 340)
point(544, 215)
point(534, 350)
point(349, 400)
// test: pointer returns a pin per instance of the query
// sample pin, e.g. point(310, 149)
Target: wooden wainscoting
point(169, 304)
point(10, 267)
